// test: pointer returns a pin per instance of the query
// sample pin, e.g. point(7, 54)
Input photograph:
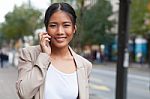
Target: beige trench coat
point(32, 72)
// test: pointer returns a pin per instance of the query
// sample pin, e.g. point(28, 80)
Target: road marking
point(99, 87)
point(92, 79)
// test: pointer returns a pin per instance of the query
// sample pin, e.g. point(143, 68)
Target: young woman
point(52, 70)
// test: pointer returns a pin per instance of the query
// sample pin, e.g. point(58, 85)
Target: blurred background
point(96, 39)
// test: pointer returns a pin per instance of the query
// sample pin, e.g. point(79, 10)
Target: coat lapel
point(80, 74)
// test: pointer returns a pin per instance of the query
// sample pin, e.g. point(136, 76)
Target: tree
point(96, 26)
point(139, 14)
point(22, 21)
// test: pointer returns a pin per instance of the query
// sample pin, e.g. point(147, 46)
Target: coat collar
point(75, 56)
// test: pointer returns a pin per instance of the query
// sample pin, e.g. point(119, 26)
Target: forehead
point(60, 16)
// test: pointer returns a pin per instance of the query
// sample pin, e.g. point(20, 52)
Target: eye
point(67, 25)
point(52, 25)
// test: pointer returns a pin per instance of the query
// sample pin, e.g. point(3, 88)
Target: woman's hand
point(44, 39)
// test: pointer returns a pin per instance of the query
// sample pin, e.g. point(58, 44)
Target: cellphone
point(50, 40)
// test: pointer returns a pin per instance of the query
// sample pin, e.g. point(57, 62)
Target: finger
point(44, 41)
point(41, 34)
point(47, 39)
point(46, 36)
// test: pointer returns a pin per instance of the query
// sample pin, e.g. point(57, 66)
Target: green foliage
point(138, 13)
point(54, 1)
point(95, 24)
point(22, 21)
point(1, 39)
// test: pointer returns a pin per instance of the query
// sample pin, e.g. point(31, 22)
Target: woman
point(52, 70)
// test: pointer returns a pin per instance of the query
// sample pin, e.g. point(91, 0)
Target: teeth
point(60, 39)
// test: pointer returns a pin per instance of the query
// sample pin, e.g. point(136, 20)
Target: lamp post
point(123, 54)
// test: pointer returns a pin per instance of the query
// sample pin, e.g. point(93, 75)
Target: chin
point(60, 45)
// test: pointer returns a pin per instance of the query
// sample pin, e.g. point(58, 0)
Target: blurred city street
point(102, 82)
point(113, 34)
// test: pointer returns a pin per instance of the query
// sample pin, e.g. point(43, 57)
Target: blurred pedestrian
point(98, 57)
point(52, 70)
point(1, 58)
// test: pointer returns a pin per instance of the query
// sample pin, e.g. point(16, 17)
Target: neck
point(60, 52)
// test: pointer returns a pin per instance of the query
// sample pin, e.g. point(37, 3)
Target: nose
point(60, 30)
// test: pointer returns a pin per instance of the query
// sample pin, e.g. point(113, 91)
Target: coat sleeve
point(89, 69)
point(31, 74)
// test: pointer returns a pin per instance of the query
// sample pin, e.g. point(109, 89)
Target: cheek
point(70, 35)
point(50, 32)
point(70, 32)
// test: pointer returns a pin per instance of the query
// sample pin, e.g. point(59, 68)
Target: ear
point(75, 29)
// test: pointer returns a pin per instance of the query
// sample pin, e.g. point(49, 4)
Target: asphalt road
point(103, 80)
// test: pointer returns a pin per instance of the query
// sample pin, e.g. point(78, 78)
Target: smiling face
point(61, 29)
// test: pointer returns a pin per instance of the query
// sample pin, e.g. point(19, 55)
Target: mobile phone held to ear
point(50, 40)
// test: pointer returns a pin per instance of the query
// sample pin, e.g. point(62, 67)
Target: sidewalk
point(8, 76)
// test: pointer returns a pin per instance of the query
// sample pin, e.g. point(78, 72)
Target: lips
point(60, 39)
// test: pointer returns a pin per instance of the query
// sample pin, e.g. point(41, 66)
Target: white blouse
point(59, 85)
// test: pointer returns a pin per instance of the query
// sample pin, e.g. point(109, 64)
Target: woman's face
point(61, 29)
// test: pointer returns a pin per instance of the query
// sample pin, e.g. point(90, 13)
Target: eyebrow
point(51, 22)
